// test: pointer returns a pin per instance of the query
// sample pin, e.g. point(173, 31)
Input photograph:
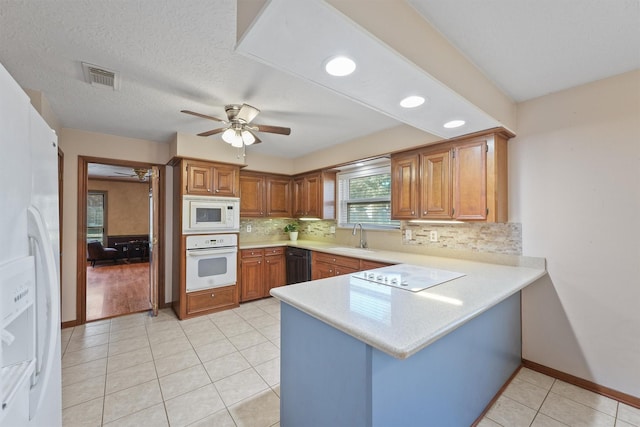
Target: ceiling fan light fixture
point(229, 136)
point(340, 66)
point(454, 124)
point(412, 101)
point(248, 137)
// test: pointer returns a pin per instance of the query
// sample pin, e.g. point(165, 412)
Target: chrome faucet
point(363, 244)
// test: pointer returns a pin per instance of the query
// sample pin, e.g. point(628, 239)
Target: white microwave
point(207, 214)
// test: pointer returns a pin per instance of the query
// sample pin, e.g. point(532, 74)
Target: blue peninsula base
point(329, 378)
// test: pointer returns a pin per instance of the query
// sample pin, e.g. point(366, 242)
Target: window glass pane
point(95, 210)
point(373, 213)
point(364, 196)
point(96, 217)
point(367, 187)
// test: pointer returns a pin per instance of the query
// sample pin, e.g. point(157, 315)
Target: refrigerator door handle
point(38, 232)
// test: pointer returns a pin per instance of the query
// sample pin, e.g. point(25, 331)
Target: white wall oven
point(211, 261)
point(206, 214)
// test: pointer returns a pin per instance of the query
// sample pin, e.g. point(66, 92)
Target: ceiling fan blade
point(204, 116)
point(247, 113)
point(272, 129)
point(258, 140)
point(212, 132)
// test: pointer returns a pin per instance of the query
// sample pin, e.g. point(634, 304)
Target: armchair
point(96, 252)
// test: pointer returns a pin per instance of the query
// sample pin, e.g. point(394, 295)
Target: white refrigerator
point(30, 373)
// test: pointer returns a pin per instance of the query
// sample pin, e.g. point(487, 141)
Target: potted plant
point(292, 229)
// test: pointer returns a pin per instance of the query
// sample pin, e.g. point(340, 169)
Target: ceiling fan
point(141, 173)
point(238, 129)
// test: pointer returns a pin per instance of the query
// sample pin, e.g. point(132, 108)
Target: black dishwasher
point(298, 265)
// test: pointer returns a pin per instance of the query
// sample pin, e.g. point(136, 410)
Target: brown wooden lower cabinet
point(263, 269)
point(211, 300)
point(260, 271)
point(325, 265)
point(366, 264)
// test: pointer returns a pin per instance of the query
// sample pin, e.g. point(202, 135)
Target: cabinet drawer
point(276, 250)
point(250, 253)
point(365, 264)
point(340, 270)
point(210, 299)
point(343, 261)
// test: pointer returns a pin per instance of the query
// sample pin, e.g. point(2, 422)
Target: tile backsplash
point(495, 238)
point(470, 237)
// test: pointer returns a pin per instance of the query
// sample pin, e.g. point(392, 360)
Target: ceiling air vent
point(97, 75)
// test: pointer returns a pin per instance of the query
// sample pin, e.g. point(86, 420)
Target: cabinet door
point(321, 270)
point(404, 187)
point(312, 189)
point(199, 179)
point(225, 181)
point(299, 202)
point(252, 196)
point(470, 181)
point(278, 197)
point(436, 185)
point(275, 272)
point(252, 277)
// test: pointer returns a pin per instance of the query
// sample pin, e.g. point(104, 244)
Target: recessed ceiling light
point(412, 101)
point(454, 124)
point(340, 66)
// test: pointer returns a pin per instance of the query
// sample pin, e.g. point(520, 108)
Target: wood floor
point(114, 290)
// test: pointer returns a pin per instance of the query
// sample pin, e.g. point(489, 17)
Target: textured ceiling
point(175, 55)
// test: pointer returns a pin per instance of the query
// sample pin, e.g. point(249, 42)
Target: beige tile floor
point(224, 370)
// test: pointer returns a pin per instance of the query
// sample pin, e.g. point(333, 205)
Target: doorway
point(120, 255)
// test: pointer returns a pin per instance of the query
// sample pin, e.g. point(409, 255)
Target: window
point(96, 216)
point(364, 196)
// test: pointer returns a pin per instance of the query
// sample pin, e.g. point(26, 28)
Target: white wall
point(575, 187)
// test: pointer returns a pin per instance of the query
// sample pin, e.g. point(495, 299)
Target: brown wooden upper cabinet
point(314, 195)
point(211, 179)
point(463, 179)
point(265, 195)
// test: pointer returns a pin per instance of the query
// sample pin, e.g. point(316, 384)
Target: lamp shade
point(248, 137)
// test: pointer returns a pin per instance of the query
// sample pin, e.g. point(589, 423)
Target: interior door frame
point(81, 263)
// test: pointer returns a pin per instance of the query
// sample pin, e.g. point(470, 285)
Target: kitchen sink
point(352, 250)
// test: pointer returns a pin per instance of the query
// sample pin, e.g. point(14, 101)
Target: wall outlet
point(407, 234)
point(433, 236)
point(332, 230)
point(248, 228)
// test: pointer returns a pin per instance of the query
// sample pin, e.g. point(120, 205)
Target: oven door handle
point(205, 252)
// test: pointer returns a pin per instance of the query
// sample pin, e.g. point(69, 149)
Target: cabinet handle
point(259, 262)
point(209, 190)
point(334, 260)
point(217, 190)
point(413, 213)
point(213, 295)
point(267, 262)
point(261, 213)
point(425, 212)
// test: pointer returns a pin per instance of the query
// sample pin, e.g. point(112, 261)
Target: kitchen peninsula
point(356, 353)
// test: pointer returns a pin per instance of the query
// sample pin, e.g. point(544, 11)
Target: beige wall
point(575, 187)
point(127, 206)
point(76, 143)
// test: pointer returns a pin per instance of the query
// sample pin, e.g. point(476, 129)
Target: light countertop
point(399, 322)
